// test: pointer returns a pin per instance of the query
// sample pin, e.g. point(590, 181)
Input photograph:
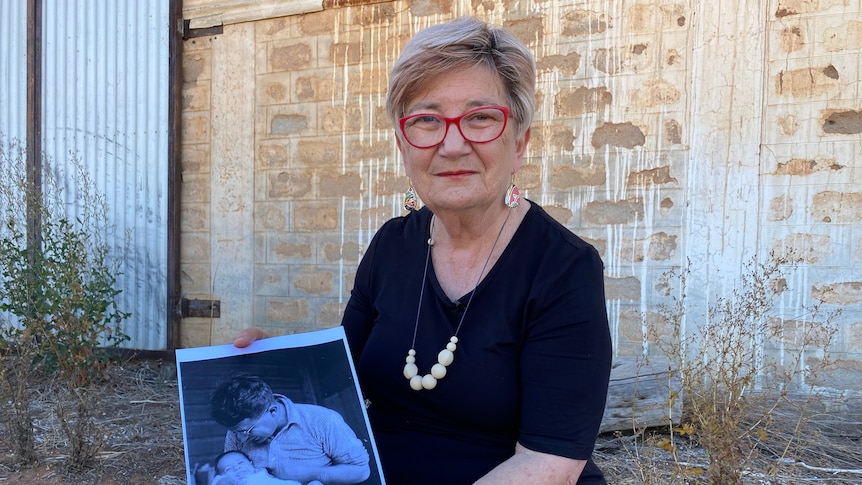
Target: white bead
point(410, 370)
point(411, 352)
point(454, 339)
point(451, 346)
point(410, 359)
point(416, 383)
point(445, 357)
point(429, 382)
point(438, 371)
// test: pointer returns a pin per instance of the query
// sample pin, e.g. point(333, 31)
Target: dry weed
point(142, 443)
point(138, 421)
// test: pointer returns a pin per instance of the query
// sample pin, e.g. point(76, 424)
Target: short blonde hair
point(463, 43)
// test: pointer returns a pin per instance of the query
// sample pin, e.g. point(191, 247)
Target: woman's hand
point(247, 336)
point(528, 466)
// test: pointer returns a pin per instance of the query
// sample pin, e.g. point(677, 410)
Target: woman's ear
point(398, 143)
point(521, 149)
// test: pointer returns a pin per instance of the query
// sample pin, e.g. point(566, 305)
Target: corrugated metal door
point(105, 103)
point(13, 70)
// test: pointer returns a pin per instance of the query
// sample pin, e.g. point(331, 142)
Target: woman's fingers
point(247, 336)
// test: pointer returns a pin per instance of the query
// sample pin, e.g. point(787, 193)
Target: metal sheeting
point(13, 71)
point(105, 104)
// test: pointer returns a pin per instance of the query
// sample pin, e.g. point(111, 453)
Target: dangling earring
point(410, 202)
point(513, 195)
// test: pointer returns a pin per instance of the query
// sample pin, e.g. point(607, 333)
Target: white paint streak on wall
point(723, 160)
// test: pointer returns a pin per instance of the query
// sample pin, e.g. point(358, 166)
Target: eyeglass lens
point(479, 125)
point(246, 432)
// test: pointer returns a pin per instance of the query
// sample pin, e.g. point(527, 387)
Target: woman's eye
point(482, 118)
point(427, 122)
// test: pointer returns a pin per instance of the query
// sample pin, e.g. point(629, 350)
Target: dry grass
point(139, 422)
point(826, 448)
point(142, 442)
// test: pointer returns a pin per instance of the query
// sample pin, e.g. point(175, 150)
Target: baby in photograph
point(235, 468)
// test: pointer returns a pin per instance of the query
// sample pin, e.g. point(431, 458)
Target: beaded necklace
point(447, 355)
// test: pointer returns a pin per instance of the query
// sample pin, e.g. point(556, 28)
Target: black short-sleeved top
point(532, 363)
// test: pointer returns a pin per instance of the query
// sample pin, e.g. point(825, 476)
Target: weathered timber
point(640, 395)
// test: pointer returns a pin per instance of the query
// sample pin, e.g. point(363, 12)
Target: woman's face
point(457, 174)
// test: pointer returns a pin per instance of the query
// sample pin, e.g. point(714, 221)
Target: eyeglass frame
point(457, 122)
point(245, 433)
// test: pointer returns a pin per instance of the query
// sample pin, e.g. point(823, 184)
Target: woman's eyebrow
point(435, 106)
point(423, 106)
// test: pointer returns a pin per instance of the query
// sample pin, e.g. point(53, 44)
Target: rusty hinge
point(187, 32)
point(200, 308)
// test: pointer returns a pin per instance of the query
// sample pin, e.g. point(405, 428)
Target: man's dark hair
point(238, 397)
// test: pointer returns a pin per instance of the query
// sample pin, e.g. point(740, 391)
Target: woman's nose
point(453, 141)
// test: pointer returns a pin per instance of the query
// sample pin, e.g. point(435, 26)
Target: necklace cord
point(422, 291)
point(472, 293)
point(445, 356)
point(479, 279)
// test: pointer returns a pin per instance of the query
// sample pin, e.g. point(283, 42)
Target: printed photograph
point(286, 410)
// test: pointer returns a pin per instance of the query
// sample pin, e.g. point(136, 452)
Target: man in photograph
point(302, 442)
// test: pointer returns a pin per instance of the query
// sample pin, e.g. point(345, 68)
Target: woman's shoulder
point(411, 225)
point(407, 220)
point(542, 225)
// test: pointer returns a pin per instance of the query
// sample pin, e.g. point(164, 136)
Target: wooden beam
point(34, 124)
point(203, 14)
point(639, 395)
point(349, 3)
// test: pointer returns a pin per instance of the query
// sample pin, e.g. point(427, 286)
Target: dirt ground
point(142, 444)
point(142, 439)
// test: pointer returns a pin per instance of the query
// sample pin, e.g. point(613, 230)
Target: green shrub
point(57, 292)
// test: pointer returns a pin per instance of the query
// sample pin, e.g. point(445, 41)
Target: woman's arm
point(528, 466)
point(565, 365)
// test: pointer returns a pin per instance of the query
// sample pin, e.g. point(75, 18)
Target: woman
point(477, 323)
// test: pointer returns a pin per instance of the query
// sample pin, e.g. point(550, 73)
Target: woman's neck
point(461, 251)
point(466, 230)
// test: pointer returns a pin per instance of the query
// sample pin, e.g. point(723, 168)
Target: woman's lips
point(456, 173)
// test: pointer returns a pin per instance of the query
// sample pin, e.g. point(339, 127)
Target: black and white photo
point(286, 410)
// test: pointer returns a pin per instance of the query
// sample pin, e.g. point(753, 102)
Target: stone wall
point(668, 137)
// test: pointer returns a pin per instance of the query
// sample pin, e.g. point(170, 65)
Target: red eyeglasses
point(478, 125)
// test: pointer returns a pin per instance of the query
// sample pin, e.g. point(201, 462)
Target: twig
point(821, 469)
point(104, 455)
